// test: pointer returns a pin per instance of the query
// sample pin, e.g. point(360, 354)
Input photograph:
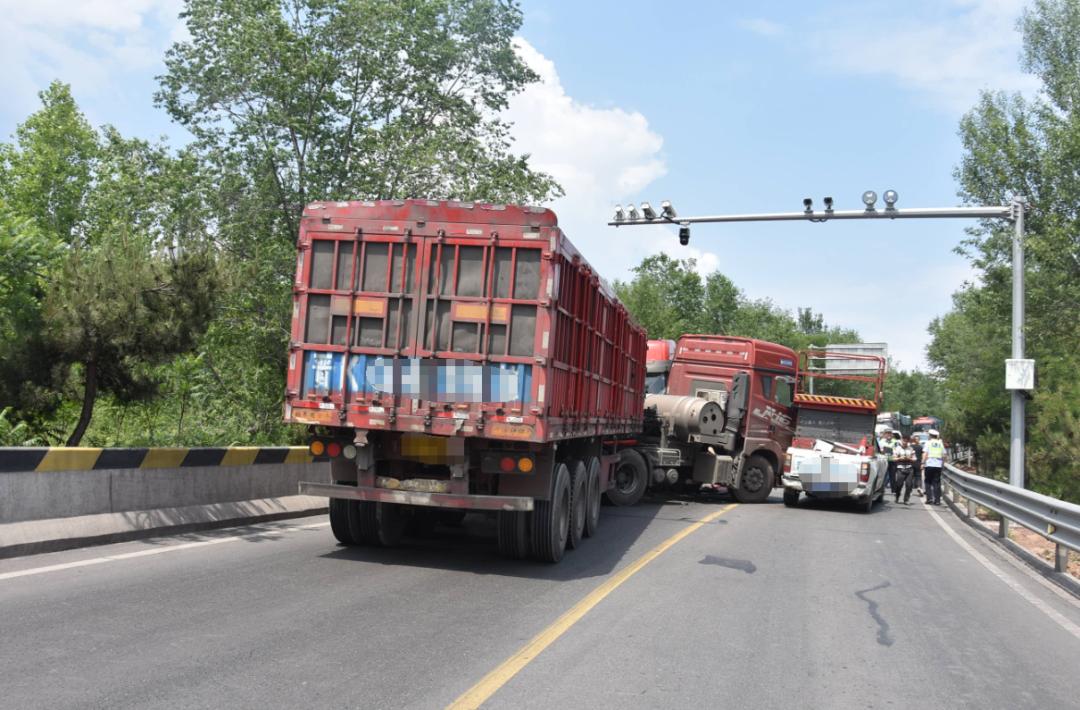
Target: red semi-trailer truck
point(718, 411)
point(456, 356)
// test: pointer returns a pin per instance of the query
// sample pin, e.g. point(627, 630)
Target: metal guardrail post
point(1003, 527)
point(1061, 558)
point(972, 508)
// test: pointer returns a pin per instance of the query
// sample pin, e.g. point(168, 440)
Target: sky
point(720, 107)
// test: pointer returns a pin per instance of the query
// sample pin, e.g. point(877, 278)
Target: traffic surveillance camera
point(808, 205)
point(890, 198)
point(869, 199)
point(684, 235)
point(667, 210)
point(619, 214)
point(631, 212)
point(648, 211)
point(828, 204)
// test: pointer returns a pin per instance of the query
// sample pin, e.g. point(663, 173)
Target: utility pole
point(1019, 372)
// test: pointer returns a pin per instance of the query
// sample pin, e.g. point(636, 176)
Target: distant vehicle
point(834, 451)
point(894, 421)
point(718, 412)
point(927, 423)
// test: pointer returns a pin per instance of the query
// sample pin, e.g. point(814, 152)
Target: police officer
point(933, 460)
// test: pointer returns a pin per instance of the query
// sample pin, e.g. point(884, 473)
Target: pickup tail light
point(864, 472)
point(787, 463)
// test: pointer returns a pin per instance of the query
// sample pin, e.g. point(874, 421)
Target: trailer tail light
point(787, 463)
point(507, 462)
point(864, 472)
point(331, 449)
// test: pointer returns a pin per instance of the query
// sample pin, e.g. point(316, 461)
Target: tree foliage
point(1029, 147)
point(669, 298)
point(109, 274)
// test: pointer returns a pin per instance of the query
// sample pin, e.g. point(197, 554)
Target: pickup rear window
point(840, 427)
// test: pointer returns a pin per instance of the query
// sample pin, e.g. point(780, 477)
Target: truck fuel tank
point(687, 418)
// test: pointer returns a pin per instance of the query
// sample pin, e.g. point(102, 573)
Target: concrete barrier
point(46, 504)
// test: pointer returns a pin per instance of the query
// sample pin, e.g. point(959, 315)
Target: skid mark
point(883, 636)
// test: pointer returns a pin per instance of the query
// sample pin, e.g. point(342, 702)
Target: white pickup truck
point(821, 465)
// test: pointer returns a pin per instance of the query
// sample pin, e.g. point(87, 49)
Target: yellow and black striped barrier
point(839, 401)
point(91, 459)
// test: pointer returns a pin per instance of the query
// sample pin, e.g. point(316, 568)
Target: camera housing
point(684, 235)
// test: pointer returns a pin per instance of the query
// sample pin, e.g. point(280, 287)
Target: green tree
point(47, 173)
point(292, 101)
point(1028, 147)
point(666, 296)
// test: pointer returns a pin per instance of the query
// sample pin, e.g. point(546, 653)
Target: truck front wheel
point(631, 477)
point(756, 481)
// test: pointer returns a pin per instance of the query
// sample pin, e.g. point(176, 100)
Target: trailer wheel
point(363, 527)
point(551, 519)
point(592, 496)
point(339, 521)
point(452, 518)
point(513, 534)
point(392, 519)
point(791, 497)
point(579, 503)
point(631, 477)
point(756, 481)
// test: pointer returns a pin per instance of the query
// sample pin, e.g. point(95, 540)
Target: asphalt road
point(762, 607)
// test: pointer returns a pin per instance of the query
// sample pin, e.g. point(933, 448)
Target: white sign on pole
point(1019, 374)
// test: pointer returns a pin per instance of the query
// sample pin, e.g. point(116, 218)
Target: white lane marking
point(1039, 604)
point(154, 551)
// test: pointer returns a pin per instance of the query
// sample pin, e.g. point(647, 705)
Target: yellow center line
point(477, 695)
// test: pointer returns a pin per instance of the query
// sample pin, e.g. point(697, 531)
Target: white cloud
point(89, 44)
point(763, 27)
point(946, 50)
point(600, 156)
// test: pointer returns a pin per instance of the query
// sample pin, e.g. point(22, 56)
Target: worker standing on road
point(917, 447)
point(933, 460)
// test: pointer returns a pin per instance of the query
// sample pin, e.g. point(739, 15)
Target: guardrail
point(1056, 520)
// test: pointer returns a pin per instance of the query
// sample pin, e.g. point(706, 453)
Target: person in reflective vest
point(933, 460)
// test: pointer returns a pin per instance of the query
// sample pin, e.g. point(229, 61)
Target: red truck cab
point(706, 365)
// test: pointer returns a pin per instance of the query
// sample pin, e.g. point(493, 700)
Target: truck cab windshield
point(656, 383)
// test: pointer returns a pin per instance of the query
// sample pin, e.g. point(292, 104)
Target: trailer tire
point(551, 519)
point(631, 478)
point(756, 480)
point(363, 526)
point(791, 497)
point(452, 518)
point(513, 534)
point(592, 497)
point(339, 521)
point(392, 519)
point(579, 503)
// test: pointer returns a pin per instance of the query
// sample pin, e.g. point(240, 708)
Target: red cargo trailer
point(459, 356)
